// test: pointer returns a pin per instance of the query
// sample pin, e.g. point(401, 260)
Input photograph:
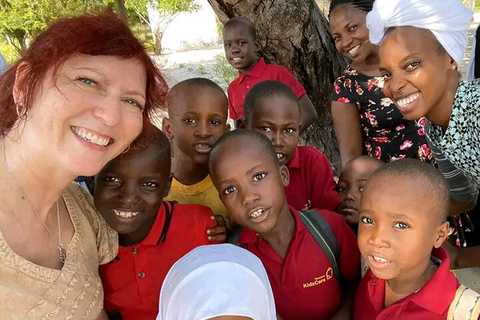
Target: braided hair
point(365, 5)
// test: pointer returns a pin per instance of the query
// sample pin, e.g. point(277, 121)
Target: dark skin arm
point(346, 311)
point(463, 257)
point(346, 121)
point(308, 112)
point(457, 207)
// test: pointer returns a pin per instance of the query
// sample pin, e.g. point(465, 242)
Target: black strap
point(320, 229)
point(325, 237)
point(168, 205)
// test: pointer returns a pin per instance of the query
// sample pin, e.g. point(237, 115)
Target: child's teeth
point(125, 214)
point(257, 213)
point(380, 259)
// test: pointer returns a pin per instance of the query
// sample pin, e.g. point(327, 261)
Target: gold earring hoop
point(126, 150)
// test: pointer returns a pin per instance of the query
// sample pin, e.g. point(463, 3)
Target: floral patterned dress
point(385, 134)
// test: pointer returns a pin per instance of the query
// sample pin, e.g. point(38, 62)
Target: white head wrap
point(217, 280)
point(448, 20)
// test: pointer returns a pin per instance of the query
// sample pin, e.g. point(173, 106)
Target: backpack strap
point(325, 237)
point(465, 305)
point(235, 235)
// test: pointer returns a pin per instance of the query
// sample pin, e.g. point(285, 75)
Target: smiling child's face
point(196, 120)
point(250, 184)
point(129, 192)
point(399, 226)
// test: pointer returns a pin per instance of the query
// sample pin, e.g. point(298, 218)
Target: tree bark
point(295, 34)
point(158, 35)
point(122, 11)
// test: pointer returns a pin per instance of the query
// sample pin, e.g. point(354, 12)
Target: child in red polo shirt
point(250, 181)
point(240, 43)
point(402, 227)
point(153, 234)
point(350, 186)
point(271, 108)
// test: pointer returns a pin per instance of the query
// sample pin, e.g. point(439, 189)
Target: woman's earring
point(454, 67)
point(126, 150)
point(20, 109)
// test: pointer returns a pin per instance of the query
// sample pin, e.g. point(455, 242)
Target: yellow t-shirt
point(203, 193)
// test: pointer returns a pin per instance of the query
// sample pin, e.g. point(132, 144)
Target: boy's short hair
point(181, 89)
point(156, 141)
point(429, 177)
point(254, 138)
point(242, 22)
point(265, 89)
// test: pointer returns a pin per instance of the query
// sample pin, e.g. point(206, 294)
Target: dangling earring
point(18, 106)
point(126, 150)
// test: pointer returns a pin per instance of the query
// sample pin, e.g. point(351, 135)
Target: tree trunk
point(122, 12)
point(158, 35)
point(296, 34)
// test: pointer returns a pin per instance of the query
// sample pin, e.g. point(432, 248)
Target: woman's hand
point(218, 233)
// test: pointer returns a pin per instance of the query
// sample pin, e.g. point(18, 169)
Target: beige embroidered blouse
point(29, 291)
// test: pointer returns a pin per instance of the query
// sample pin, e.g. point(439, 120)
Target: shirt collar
point(249, 236)
point(441, 281)
point(255, 72)
point(295, 162)
point(153, 235)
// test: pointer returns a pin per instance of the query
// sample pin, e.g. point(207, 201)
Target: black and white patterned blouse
point(461, 141)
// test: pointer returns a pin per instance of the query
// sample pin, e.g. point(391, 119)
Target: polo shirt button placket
point(134, 251)
point(141, 275)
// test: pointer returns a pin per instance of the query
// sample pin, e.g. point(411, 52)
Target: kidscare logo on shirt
point(319, 280)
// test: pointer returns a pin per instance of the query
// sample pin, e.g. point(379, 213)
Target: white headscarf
point(448, 20)
point(217, 280)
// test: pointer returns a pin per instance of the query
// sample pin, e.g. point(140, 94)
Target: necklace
point(61, 249)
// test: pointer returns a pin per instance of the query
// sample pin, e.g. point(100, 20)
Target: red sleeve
point(285, 76)
point(201, 218)
point(231, 111)
point(322, 184)
point(349, 252)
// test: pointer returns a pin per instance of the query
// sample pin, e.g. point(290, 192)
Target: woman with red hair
point(77, 98)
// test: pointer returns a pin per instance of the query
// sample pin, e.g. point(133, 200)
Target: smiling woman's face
point(87, 114)
point(417, 71)
point(350, 33)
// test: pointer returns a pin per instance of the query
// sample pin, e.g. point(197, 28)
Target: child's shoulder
point(309, 154)
point(190, 209)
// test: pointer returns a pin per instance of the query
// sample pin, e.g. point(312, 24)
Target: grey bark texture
point(295, 34)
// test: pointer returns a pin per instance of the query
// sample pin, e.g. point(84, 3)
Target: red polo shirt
point(303, 284)
point(132, 281)
point(311, 181)
point(237, 90)
point(431, 302)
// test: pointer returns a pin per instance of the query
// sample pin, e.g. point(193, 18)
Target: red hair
point(103, 34)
